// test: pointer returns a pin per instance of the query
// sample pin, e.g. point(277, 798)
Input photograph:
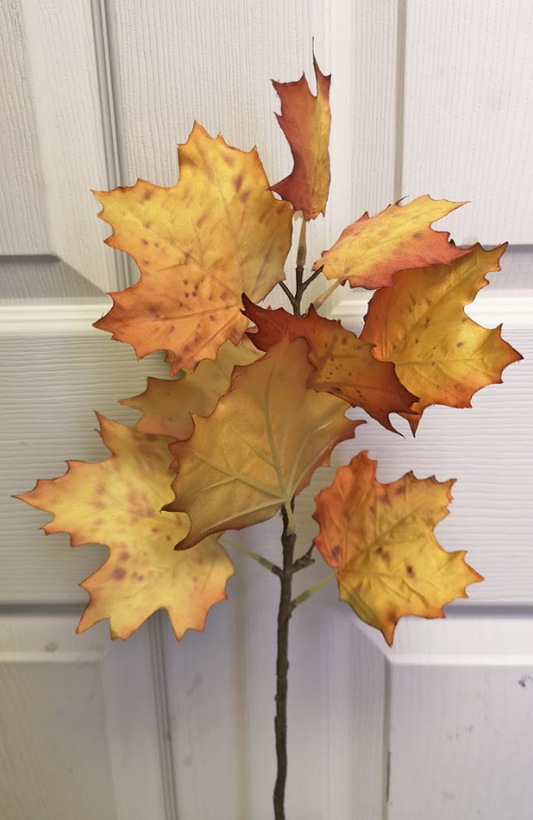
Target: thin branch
point(312, 278)
point(256, 557)
point(306, 560)
point(288, 293)
point(311, 591)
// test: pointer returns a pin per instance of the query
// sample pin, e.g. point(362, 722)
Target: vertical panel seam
point(387, 756)
point(401, 43)
point(164, 731)
point(109, 117)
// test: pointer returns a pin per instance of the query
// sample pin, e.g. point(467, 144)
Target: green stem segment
point(311, 591)
point(256, 557)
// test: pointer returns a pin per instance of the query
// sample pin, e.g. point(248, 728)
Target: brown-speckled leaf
point(421, 326)
point(381, 539)
point(369, 252)
point(167, 405)
point(117, 502)
point(342, 364)
point(305, 120)
point(218, 233)
point(259, 447)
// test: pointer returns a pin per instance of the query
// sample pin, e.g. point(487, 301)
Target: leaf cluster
point(257, 398)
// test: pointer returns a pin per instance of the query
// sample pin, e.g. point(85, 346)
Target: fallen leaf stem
point(311, 591)
point(256, 557)
point(288, 541)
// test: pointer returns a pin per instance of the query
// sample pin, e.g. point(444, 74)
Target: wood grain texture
point(78, 732)
point(51, 382)
point(468, 124)
point(22, 228)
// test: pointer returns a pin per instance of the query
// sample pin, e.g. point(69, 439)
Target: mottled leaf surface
point(166, 405)
point(368, 253)
point(218, 233)
point(259, 447)
point(381, 538)
point(306, 120)
point(421, 326)
point(342, 364)
point(117, 502)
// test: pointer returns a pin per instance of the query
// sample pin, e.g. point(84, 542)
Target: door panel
point(78, 729)
point(425, 98)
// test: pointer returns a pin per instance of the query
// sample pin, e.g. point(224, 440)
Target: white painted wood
point(56, 370)
point(461, 718)
point(467, 114)
point(68, 369)
point(78, 734)
point(54, 147)
point(221, 687)
point(22, 228)
point(425, 97)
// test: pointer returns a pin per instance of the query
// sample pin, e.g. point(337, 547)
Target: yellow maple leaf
point(167, 405)
point(218, 233)
point(370, 251)
point(117, 502)
point(420, 325)
point(381, 539)
point(305, 120)
point(259, 447)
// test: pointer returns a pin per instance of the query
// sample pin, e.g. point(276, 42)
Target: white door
point(427, 97)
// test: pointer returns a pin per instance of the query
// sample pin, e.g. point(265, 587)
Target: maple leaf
point(370, 251)
point(218, 233)
point(420, 324)
point(342, 364)
point(167, 405)
point(381, 539)
point(117, 502)
point(259, 447)
point(305, 120)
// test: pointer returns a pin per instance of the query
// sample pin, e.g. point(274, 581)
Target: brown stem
point(288, 541)
point(300, 267)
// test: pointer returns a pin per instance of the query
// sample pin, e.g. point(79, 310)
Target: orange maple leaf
point(305, 120)
point(420, 325)
point(218, 233)
point(342, 364)
point(380, 537)
point(368, 253)
point(117, 502)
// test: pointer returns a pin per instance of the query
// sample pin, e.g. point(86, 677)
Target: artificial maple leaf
point(368, 253)
point(117, 502)
point(306, 120)
point(420, 324)
point(259, 447)
point(218, 233)
point(342, 364)
point(167, 405)
point(380, 537)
